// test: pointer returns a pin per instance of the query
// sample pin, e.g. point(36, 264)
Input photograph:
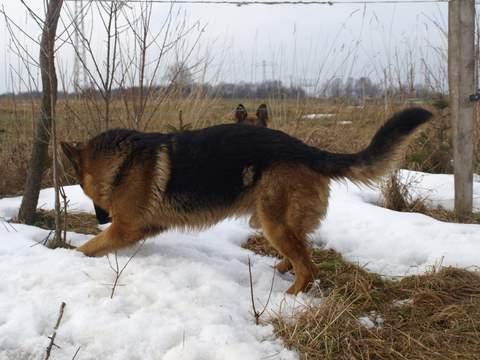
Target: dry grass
point(397, 196)
point(258, 244)
point(82, 223)
point(432, 316)
point(450, 216)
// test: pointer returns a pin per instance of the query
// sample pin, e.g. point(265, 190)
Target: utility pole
point(79, 74)
point(264, 65)
point(264, 70)
point(461, 66)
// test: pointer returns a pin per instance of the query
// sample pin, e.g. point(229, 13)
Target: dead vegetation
point(397, 196)
point(431, 316)
point(82, 223)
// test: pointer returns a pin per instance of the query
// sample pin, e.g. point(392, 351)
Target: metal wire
point(275, 3)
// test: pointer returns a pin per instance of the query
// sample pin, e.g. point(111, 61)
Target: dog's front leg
point(113, 238)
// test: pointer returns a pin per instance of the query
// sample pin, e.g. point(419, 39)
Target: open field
point(333, 126)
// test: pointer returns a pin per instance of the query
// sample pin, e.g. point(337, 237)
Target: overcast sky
point(299, 44)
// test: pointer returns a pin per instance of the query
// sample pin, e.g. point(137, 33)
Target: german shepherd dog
point(151, 182)
point(260, 118)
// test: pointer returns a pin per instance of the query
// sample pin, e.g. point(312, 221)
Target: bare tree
point(101, 74)
point(129, 68)
point(140, 91)
point(41, 140)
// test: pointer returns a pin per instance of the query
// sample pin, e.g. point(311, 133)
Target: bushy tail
point(382, 153)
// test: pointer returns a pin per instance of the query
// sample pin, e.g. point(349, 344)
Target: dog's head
point(77, 155)
point(86, 170)
point(98, 163)
point(260, 118)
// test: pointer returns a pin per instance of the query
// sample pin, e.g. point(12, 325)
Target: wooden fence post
point(461, 30)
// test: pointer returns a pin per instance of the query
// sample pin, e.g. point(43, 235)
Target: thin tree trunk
point(41, 139)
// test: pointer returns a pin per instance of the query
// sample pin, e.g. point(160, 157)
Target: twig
point(255, 312)
point(52, 338)
point(5, 222)
point(118, 272)
point(180, 120)
point(76, 353)
point(44, 241)
point(270, 292)
point(65, 213)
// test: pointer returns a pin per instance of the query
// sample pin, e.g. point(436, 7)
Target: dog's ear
point(72, 152)
point(240, 113)
point(262, 114)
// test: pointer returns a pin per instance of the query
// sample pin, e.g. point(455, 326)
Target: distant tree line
point(223, 90)
point(365, 88)
point(244, 90)
point(354, 89)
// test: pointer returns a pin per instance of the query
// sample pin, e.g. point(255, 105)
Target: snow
point(78, 202)
point(395, 243)
point(186, 295)
point(325, 116)
point(371, 320)
point(438, 189)
point(317, 116)
point(183, 296)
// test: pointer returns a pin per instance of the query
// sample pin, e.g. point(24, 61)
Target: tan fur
point(252, 120)
point(368, 174)
point(291, 203)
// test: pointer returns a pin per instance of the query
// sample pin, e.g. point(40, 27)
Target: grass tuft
point(397, 196)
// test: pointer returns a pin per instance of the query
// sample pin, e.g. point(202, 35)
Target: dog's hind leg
point(293, 201)
point(113, 238)
point(295, 249)
point(283, 265)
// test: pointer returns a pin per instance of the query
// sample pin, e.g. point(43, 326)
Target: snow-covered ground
point(396, 243)
point(187, 295)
